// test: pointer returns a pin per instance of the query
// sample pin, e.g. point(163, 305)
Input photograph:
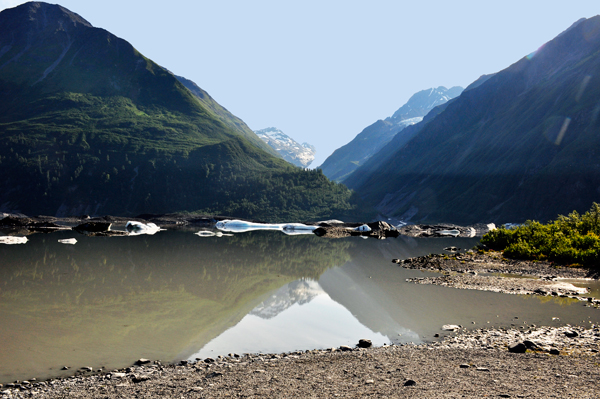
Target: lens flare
point(532, 55)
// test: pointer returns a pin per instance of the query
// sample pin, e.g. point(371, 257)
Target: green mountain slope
point(89, 125)
point(521, 144)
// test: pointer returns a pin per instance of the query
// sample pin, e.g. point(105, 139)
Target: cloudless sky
point(321, 71)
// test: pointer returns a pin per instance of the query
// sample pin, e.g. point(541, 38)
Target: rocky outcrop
point(379, 230)
point(445, 230)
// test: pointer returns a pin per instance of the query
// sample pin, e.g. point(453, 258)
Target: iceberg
point(10, 240)
point(242, 226)
point(137, 228)
point(70, 241)
point(453, 233)
point(207, 233)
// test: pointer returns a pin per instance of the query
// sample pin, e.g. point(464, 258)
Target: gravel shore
point(464, 271)
point(473, 364)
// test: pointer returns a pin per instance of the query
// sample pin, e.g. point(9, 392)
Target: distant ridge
point(346, 159)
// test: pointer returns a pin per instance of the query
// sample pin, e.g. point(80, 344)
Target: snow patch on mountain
point(295, 153)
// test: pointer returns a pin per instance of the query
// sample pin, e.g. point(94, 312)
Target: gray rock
point(464, 366)
point(482, 369)
point(571, 334)
point(410, 383)
point(93, 227)
point(140, 378)
point(142, 361)
point(518, 347)
point(345, 348)
point(364, 343)
point(531, 345)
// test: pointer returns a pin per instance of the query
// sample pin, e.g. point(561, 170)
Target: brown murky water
point(110, 301)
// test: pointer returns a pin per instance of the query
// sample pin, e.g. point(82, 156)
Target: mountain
point(297, 292)
point(297, 154)
point(520, 144)
point(345, 160)
point(91, 126)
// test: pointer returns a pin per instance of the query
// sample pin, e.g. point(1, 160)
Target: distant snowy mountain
point(297, 292)
point(346, 159)
point(298, 154)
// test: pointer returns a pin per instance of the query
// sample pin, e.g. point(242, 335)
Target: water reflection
point(108, 301)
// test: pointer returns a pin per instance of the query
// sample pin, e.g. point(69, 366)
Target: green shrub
point(571, 239)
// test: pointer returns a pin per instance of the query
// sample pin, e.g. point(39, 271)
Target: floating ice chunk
point(137, 228)
point(472, 232)
point(364, 227)
point(206, 233)
point(453, 233)
point(70, 241)
point(491, 226)
point(298, 227)
point(10, 240)
point(242, 226)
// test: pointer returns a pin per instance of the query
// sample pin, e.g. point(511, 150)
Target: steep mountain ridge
point(519, 144)
point(289, 149)
point(346, 159)
point(89, 125)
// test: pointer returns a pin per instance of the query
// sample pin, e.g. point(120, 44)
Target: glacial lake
point(108, 301)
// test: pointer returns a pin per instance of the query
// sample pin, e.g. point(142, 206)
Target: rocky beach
point(498, 363)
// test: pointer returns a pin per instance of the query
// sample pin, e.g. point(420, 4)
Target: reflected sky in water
point(176, 295)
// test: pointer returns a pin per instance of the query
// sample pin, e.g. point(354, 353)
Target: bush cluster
point(571, 240)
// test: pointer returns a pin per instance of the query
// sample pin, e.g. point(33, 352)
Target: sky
point(321, 71)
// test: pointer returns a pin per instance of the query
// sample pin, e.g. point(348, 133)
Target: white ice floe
point(137, 228)
point(491, 226)
point(207, 233)
point(10, 240)
point(70, 241)
point(242, 226)
point(453, 233)
point(364, 227)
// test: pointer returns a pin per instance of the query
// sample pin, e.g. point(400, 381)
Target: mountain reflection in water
point(108, 301)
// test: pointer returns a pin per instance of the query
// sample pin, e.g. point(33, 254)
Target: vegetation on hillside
point(79, 153)
point(571, 240)
point(91, 126)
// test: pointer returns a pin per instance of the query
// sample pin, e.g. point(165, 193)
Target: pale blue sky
point(323, 70)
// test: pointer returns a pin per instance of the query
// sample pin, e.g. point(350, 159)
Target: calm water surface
point(173, 296)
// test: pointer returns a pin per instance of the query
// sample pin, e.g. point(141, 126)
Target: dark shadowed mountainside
point(521, 144)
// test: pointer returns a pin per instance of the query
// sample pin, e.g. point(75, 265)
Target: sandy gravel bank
point(464, 271)
point(472, 364)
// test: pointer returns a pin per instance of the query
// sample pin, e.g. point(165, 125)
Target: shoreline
point(492, 272)
point(473, 363)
